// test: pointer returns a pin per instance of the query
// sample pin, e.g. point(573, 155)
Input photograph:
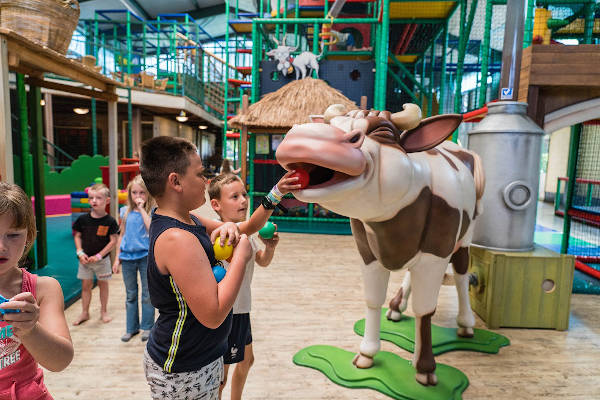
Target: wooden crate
point(522, 289)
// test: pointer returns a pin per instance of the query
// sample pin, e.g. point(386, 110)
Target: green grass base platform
point(402, 334)
point(390, 374)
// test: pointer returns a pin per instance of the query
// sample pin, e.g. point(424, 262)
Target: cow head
point(358, 161)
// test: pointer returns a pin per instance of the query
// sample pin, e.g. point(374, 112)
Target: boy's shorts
point(202, 384)
point(102, 269)
point(239, 338)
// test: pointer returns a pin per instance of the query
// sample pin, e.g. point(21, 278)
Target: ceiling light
point(81, 111)
point(202, 127)
point(181, 117)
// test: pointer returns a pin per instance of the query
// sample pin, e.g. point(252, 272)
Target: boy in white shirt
point(229, 199)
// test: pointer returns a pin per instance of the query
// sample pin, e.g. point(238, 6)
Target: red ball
point(303, 177)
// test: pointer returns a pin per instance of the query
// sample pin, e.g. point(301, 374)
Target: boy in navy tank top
point(184, 354)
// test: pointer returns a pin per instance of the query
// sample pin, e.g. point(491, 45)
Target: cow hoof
point(393, 315)
point(362, 361)
point(426, 379)
point(465, 332)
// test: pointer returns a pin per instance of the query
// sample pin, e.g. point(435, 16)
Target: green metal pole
point(485, 52)
point(226, 80)
point(528, 34)
point(256, 53)
point(588, 29)
point(26, 162)
point(116, 56)
point(104, 70)
point(382, 59)
point(39, 187)
point(443, 72)
point(94, 128)
point(144, 46)
point(572, 176)
point(431, 77)
point(128, 43)
point(129, 123)
point(96, 32)
point(459, 65)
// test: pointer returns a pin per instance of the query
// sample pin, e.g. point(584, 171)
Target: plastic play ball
point(98, 180)
point(303, 177)
point(219, 272)
point(222, 252)
point(122, 197)
point(267, 231)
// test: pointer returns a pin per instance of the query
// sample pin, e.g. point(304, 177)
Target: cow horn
point(409, 118)
point(334, 110)
point(275, 40)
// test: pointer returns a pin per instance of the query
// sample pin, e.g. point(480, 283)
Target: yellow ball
point(222, 252)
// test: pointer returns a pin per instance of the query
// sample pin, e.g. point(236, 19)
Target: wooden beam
point(6, 148)
point(73, 89)
point(113, 140)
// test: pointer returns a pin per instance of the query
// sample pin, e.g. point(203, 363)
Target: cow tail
point(479, 177)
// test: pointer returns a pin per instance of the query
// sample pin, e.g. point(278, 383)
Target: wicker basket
point(48, 22)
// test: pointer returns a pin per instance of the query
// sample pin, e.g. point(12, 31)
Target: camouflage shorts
point(196, 385)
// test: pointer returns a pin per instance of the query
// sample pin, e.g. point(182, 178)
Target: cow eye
point(355, 138)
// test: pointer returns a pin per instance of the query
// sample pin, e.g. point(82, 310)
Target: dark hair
point(216, 183)
point(161, 156)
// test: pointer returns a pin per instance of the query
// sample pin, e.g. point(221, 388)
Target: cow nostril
point(355, 138)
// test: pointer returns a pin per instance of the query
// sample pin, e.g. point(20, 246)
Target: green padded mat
point(390, 374)
point(62, 261)
point(402, 334)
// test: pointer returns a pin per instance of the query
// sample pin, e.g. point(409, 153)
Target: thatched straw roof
point(291, 104)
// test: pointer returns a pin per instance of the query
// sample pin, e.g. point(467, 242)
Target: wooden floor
point(312, 294)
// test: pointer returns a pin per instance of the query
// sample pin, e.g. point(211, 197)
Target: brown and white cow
point(412, 198)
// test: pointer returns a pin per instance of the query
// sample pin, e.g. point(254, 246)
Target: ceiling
point(210, 14)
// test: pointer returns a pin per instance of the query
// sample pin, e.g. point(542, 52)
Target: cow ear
point(430, 132)
point(316, 118)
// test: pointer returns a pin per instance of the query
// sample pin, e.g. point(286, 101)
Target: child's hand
point(243, 249)
point(228, 230)
point(139, 203)
point(83, 258)
point(23, 321)
point(270, 243)
point(287, 184)
point(116, 267)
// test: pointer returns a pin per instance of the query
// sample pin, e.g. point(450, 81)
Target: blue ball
point(219, 272)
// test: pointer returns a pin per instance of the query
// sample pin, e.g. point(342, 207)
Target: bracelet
point(80, 253)
point(273, 197)
point(277, 193)
point(99, 256)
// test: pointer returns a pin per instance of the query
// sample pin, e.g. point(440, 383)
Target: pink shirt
point(20, 376)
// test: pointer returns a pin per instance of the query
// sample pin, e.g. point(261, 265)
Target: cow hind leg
point(375, 280)
point(400, 302)
point(426, 279)
point(465, 318)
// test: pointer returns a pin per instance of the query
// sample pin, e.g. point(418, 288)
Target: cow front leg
point(426, 279)
point(400, 302)
point(375, 279)
point(465, 318)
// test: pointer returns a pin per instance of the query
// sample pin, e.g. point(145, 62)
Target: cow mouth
point(319, 176)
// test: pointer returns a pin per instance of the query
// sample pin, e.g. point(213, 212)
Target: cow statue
point(412, 198)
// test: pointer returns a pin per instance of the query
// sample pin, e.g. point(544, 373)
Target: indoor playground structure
point(515, 83)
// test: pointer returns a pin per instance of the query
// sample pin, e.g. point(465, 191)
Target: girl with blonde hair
point(132, 254)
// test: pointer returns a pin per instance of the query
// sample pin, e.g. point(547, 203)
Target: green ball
point(98, 180)
point(267, 231)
